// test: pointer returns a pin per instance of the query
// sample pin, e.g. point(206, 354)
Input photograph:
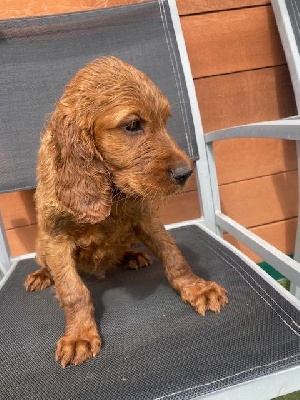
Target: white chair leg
point(5, 257)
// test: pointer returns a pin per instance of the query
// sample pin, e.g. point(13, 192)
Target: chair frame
point(214, 221)
point(293, 59)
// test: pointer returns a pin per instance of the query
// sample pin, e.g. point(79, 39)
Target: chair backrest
point(40, 55)
point(287, 14)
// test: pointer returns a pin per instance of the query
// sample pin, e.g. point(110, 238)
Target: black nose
point(180, 175)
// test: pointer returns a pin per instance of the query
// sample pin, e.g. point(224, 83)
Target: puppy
point(105, 157)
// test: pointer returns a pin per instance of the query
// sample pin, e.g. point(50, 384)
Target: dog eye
point(134, 127)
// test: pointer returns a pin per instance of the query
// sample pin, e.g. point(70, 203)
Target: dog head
point(109, 130)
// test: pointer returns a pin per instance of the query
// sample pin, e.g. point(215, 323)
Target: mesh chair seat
point(154, 345)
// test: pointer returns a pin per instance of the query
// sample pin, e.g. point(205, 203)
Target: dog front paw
point(202, 295)
point(39, 280)
point(74, 349)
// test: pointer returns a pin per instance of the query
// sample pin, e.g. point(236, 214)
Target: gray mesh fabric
point(293, 8)
point(154, 345)
point(40, 55)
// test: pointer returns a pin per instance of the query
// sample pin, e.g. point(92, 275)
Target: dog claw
point(136, 260)
point(75, 351)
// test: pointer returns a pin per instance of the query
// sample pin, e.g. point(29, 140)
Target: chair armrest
point(288, 129)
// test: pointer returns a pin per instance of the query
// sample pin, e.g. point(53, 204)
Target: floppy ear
point(82, 183)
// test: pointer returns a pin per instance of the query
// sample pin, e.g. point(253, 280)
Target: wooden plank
point(191, 184)
point(245, 97)
point(22, 240)
point(242, 98)
point(178, 208)
point(251, 202)
point(201, 6)
point(280, 234)
point(18, 209)
point(243, 159)
point(25, 8)
point(262, 200)
point(238, 40)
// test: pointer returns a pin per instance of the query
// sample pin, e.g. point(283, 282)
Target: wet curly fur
point(105, 159)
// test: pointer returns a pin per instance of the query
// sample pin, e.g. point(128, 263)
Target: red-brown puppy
point(105, 159)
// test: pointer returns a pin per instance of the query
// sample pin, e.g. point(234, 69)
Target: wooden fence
point(241, 76)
